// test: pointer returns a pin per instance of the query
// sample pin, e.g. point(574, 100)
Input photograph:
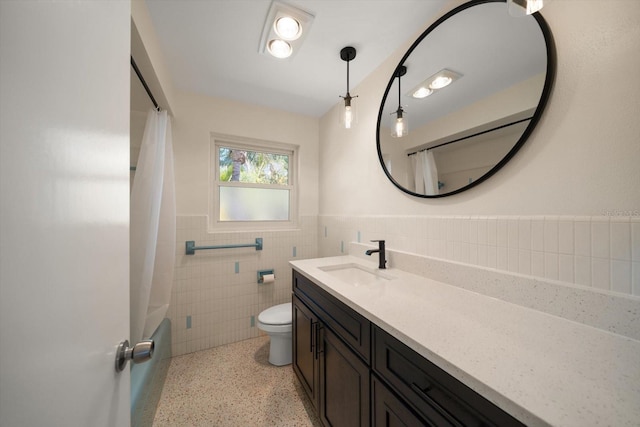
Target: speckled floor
point(233, 385)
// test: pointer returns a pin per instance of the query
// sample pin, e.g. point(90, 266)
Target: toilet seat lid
point(276, 315)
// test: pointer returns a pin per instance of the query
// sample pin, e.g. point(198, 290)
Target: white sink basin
point(356, 274)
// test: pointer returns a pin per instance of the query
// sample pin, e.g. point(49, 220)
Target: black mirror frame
point(546, 92)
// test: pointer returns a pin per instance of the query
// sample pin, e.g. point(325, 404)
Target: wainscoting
point(215, 298)
point(600, 251)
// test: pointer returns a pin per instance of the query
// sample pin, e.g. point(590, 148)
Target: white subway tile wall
point(215, 292)
point(218, 290)
point(602, 252)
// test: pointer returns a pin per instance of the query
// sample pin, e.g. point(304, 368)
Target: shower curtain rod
point(144, 83)
point(471, 136)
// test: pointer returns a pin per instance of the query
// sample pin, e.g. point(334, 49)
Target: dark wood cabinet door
point(344, 379)
point(352, 328)
point(389, 411)
point(305, 364)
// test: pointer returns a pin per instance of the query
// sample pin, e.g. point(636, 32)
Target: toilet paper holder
point(262, 273)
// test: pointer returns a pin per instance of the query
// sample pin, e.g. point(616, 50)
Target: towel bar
point(191, 247)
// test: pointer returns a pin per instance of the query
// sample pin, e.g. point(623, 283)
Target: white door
point(64, 200)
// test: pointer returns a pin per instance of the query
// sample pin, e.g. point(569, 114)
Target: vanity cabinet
point(433, 394)
point(356, 374)
point(329, 341)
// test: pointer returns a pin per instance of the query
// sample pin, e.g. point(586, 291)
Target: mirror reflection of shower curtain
point(152, 228)
point(425, 173)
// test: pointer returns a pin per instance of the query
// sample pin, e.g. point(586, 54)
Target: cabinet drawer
point(350, 326)
point(390, 411)
point(429, 389)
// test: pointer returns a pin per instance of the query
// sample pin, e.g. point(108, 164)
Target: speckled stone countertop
point(542, 369)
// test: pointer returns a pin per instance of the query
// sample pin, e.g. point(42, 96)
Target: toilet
point(276, 321)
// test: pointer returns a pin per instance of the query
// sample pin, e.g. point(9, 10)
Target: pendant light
point(400, 126)
point(347, 115)
point(520, 8)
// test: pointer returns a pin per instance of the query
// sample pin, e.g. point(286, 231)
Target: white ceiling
point(212, 47)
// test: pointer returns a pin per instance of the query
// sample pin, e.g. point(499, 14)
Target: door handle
point(139, 353)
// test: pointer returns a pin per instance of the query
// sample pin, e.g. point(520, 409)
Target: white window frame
point(250, 144)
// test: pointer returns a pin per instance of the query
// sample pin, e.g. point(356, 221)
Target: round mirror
point(464, 98)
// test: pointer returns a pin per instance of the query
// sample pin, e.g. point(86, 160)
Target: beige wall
point(201, 115)
point(566, 207)
point(145, 49)
point(217, 290)
point(540, 215)
point(215, 297)
point(582, 159)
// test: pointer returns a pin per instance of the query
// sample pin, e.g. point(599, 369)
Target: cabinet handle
point(319, 348)
point(422, 392)
point(312, 331)
point(317, 331)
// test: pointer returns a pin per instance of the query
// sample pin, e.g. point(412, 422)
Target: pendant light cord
point(399, 92)
point(348, 78)
point(347, 54)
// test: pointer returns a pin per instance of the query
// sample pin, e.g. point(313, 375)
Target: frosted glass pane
point(253, 204)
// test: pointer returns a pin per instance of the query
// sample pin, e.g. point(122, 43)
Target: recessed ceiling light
point(440, 82)
point(422, 92)
point(279, 48)
point(284, 30)
point(288, 28)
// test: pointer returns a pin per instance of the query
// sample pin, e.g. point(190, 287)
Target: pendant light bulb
point(400, 126)
point(347, 115)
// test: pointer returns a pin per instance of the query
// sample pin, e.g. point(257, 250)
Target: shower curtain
point(152, 228)
point(426, 173)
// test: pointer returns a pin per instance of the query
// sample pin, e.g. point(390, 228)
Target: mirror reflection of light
point(440, 82)
point(280, 48)
point(288, 28)
point(519, 8)
point(399, 127)
point(534, 5)
point(423, 92)
point(433, 83)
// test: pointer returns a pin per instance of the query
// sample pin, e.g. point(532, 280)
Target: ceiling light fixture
point(439, 80)
point(520, 8)
point(288, 28)
point(400, 127)
point(422, 92)
point(284, 30)
point(279, 48)
point(347, 115)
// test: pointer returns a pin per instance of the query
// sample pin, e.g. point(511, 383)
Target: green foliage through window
point(253, 167)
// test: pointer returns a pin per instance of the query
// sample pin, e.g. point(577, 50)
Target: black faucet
point(382, 260)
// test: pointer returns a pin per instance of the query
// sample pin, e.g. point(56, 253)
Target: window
point(253, 183)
